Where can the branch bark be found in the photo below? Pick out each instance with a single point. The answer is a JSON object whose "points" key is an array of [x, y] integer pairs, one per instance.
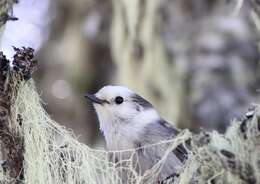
{"points": [[10, 80]]}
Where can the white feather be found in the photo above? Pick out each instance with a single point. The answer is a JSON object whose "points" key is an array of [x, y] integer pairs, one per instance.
{"points": [[125, 125]]}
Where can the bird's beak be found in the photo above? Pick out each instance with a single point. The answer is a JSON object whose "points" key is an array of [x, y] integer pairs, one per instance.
{"points": [[94, 99]]}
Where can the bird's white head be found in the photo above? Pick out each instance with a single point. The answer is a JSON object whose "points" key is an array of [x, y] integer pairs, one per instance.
{"points": [[118, 106]]}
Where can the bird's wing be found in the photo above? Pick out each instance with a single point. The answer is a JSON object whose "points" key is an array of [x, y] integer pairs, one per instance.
{"points": [[162, 130], [157, 132]]}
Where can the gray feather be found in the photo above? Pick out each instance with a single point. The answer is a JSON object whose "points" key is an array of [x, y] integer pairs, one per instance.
{"points": [[141, 101], [154, 133]]}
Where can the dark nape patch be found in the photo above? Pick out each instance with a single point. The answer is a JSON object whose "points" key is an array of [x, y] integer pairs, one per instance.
{"points": [[141, 101]]}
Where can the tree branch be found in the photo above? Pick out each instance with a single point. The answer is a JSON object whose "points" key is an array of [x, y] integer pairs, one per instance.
{"points": [[10, 80]]}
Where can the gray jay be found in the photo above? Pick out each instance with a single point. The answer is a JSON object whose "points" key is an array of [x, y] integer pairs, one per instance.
{"points": [[128, 121]]}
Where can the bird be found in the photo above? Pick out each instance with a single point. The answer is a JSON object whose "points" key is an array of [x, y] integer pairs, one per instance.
{"points": [[128, 121]]}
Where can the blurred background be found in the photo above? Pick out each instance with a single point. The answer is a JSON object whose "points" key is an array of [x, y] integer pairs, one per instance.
{"points": [[196, 61]]}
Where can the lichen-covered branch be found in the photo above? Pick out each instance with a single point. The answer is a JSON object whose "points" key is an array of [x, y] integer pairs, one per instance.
{"points": [[10, 80], [39, 150], [232, 157]]}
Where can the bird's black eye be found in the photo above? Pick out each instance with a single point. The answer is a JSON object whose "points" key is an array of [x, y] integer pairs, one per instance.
{"points": [[119, 100]]}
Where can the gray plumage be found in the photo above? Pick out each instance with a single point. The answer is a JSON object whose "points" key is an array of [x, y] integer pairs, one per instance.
{"points": [[128, 121], [154, 133], [140, 101]]}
